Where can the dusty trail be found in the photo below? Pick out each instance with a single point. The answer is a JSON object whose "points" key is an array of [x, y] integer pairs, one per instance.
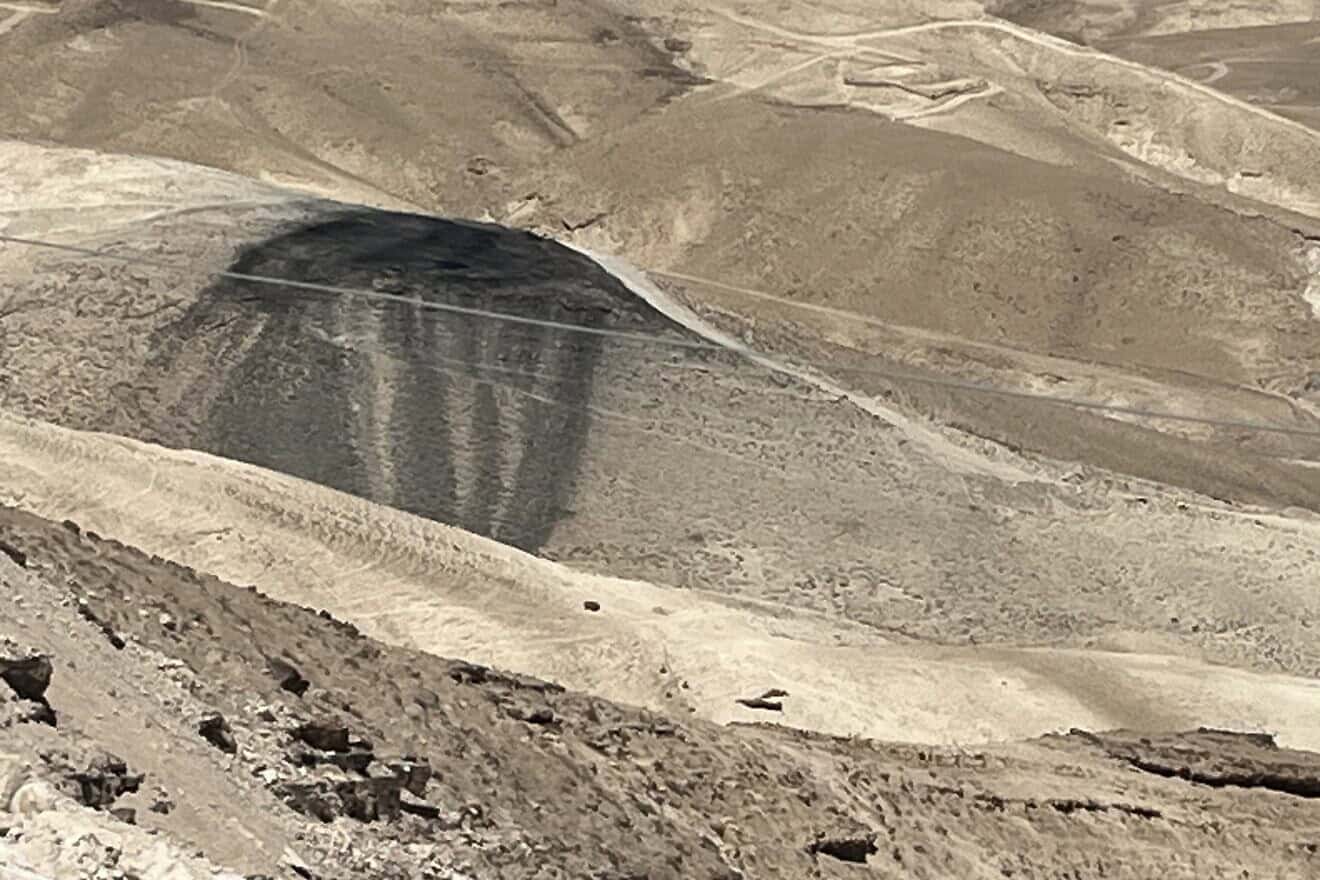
{"points": [[1026, 35], [230, 7], [13, 21]]}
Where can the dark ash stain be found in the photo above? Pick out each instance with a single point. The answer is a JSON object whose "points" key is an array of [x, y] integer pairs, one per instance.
{"points": [[440, 414]]}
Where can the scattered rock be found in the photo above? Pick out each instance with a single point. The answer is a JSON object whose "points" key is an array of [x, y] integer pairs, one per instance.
{"points": [[215, 730], [162, 804], [104, 780], [288, 677], [773, 693], [371, 799], [415, 773], [127, 815], [677, 45], [591, 605]]}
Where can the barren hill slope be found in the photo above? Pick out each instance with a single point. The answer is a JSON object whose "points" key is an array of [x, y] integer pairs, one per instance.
{"points": [[1010, 208], [240, 732]]}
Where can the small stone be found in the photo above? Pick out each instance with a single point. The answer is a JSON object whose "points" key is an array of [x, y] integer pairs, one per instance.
{"points": [[289, 678], [591, 605]]}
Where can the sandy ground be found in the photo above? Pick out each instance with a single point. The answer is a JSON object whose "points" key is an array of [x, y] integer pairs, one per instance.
{"points": [[450, 593]]}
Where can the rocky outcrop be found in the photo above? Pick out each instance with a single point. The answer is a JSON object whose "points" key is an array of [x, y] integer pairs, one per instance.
{"points": [[328, 772], [1217, 758], [288, 676], [27, 675], [104, 779]]}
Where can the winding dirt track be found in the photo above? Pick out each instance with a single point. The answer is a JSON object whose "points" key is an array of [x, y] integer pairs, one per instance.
{"points": [[854, 41]]}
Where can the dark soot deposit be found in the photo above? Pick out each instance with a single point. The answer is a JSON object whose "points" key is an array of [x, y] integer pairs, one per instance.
{"points": [[468, 420]]}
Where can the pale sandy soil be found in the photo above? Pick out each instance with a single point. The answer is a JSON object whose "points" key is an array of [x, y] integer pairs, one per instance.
{"points": [[420, 584]]}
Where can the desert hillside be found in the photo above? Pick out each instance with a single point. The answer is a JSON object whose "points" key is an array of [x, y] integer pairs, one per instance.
{"points": [[160, 720], [834, 422]]}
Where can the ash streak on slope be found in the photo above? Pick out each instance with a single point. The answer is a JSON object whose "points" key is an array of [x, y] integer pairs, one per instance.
{"points": [[347, 393]]}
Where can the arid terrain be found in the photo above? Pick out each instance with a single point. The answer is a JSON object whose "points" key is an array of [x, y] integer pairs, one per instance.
{"points": [[867, 438], [268, 739]]}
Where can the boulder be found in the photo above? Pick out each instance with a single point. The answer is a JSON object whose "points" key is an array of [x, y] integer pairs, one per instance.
{"points": [[415, 773], [28, 675], [326, 736], [215, 730], [287, 676]]}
